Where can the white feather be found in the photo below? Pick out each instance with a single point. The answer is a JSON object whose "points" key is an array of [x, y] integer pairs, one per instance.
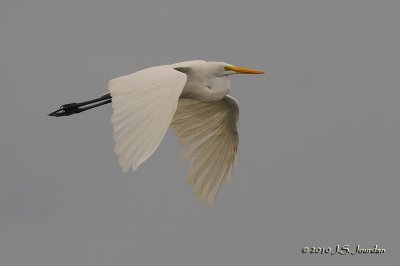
{"points": [[143, 106], [209, 137]]}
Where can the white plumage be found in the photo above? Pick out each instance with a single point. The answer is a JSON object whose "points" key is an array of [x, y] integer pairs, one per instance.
{"points": [[209, 137], [143, 106], [191, 97]]}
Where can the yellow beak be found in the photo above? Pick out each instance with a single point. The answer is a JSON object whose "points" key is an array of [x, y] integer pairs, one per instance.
{"points": [[243, 70]]}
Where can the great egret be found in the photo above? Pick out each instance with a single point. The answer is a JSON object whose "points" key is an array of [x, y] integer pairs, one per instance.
{"points": [[192, 98]]}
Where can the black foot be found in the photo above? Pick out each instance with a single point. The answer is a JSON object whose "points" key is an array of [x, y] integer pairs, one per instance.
{"points": [[67, 109], [74, 108]]}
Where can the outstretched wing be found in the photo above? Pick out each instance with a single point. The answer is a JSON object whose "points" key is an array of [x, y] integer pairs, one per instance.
{"points": [[208, 133], [143, 106]]}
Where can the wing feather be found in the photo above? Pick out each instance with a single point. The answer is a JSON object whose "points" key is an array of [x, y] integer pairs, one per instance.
{"points": [[208, 134], [143, 106]]}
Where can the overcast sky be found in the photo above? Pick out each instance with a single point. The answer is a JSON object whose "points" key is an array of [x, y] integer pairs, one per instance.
{"points": [[319, 153]]}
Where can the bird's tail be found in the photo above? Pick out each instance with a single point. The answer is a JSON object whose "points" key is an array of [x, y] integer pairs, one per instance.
{"points": [[74, 108]]}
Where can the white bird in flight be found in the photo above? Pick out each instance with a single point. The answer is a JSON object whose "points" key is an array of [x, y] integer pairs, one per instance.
{"points": [[192, 98]]}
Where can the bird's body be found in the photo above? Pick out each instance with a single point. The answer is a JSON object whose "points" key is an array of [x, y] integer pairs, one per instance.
{"points": [[192, 98]]}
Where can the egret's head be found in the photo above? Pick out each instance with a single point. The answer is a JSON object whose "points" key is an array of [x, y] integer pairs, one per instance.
{"points": [[225, 69]]}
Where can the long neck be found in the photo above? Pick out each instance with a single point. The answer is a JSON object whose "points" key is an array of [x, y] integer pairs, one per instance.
{"points": [[207, 91]]}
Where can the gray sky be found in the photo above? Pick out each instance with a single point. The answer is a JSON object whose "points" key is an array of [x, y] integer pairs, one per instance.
{"points": [[319, 146]]}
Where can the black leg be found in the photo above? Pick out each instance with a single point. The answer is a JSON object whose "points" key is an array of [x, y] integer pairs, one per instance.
{"points": [[74, 108]]}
